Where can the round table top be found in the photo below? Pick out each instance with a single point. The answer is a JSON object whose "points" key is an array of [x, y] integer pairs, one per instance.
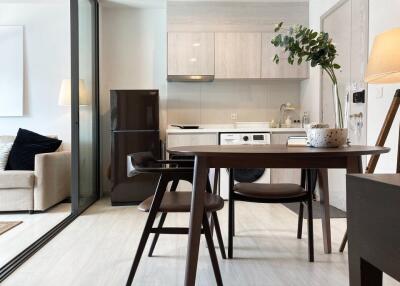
{"points": [[276, 149]]}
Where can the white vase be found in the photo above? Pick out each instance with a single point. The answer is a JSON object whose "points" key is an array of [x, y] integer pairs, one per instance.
{"points": [[327, 137]]}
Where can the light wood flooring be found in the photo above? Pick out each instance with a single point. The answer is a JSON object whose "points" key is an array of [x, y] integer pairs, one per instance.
{"points": [[98, 248], [32, 227]]}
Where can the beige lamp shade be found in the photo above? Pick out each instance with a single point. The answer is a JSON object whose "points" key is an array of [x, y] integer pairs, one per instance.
{"points": [[64, 98], [384, 60]]}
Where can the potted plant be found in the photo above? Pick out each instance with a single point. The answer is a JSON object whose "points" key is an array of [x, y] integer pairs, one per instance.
{"points": [[305, 45]]}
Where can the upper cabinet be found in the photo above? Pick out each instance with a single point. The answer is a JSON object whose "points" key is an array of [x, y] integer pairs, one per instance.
{"points": [[190, 53], [237, 55], [228, 55], [269, 69]]}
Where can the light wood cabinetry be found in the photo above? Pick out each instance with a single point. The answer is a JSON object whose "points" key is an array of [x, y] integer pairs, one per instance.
{"points": [[284, 175], [191, 139], [237, 55], [190, 53], [269, 69]]}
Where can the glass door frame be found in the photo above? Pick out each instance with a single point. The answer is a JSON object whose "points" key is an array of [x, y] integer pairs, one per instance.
{"points": [[77, 208]]}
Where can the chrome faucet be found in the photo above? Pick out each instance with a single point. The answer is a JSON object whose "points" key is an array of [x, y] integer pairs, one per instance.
{"points": [[284, 107]]}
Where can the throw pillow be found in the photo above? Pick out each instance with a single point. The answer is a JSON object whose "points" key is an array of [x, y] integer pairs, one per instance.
{"points": [[26, 146], [5, 149]]}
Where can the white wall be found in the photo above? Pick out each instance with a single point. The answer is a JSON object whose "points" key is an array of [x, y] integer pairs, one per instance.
{"points": [[383, 16], [310, 88], [46, 63], [133, 56]]}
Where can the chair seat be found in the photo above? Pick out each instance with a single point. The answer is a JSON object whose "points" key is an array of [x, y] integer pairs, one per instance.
{"points": [[181, 201], [269, 191]]}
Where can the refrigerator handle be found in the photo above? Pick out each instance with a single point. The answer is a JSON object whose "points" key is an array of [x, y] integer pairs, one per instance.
{"points": [[163, 150]]}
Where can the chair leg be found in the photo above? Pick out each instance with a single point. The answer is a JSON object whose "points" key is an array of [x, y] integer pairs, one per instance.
{"points": [[211, 250], [157, 235], [231, 224], [343, 244], [310, 220], [162, 185], [300, 222], [219, 234], [174, 186]]}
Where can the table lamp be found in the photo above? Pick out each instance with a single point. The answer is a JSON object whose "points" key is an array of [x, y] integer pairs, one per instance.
{"points": [[384, 67], [64, 98]]}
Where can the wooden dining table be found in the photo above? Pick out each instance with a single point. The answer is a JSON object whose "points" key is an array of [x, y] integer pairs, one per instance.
{"points": [[265, 156]]}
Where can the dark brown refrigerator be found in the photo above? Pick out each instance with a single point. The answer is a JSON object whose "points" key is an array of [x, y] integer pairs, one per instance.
{"points": [[134, 128]]}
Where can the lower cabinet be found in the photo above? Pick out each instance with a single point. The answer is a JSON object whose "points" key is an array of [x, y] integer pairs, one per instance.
{"points": [[284, 175], [191, 139]]}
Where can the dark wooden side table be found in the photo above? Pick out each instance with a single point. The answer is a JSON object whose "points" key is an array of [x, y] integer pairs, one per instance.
{"points": [[373, 219], [264, 156]]}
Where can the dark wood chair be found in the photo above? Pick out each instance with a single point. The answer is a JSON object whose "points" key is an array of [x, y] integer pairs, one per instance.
{"points": [[274, 193], [172, 201]]}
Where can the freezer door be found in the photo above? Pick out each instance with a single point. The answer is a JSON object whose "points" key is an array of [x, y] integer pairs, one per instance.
{"points": [[136, 189], [134, 110]]}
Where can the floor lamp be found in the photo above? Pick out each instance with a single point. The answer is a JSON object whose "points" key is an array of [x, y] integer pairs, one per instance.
{"points": [[384, 67]]}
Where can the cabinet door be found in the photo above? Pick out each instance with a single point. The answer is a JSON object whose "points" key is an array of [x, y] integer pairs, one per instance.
{"points": [[237, 55], [191, 139], [291, 176], [190, 53], [269, 69]]}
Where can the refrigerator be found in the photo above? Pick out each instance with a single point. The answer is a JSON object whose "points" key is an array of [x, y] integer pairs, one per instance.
{"points": [[134, 128]]}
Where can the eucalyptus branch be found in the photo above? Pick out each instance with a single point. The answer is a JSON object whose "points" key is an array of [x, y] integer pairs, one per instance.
{"points": [[305, 45]]}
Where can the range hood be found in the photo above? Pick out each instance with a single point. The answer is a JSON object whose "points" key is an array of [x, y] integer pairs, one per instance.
{"points": [[190, 78]]}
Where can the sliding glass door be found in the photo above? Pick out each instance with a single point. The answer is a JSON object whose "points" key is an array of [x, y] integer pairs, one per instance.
{"points": [[85, 163]]}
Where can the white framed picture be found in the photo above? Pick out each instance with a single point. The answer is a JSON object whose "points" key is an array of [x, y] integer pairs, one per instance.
{"points": [[11, 70]]}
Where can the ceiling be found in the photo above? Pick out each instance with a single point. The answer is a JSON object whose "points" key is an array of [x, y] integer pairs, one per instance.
{"points": [[162, 3]]}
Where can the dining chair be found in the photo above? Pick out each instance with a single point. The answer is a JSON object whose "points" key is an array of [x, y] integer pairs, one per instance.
{"points": [[274, 193], [173, 201]]}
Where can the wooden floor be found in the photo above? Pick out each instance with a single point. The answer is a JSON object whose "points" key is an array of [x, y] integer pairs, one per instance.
{"points": [[32, 227], [98, 248]]}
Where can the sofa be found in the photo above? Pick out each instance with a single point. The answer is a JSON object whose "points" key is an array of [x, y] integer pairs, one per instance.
{"points": [[38, 190]]}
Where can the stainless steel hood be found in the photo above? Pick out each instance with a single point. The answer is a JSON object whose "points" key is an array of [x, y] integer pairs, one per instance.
{"points": [[190, 78]]}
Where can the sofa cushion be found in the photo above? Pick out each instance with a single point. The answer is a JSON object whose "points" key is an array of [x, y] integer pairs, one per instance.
{"points": [[17, 179], [27, 144], [5, 149]]}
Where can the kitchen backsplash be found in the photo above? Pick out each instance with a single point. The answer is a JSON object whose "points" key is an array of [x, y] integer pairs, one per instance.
{"points": [[230, 101]]}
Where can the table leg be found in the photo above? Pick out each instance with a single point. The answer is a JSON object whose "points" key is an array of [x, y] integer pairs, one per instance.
{"points": [[354, 166], [325, 210], [196, 217]]}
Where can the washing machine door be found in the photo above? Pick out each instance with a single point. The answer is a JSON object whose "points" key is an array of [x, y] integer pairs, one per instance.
{"points": [[248, 175]]}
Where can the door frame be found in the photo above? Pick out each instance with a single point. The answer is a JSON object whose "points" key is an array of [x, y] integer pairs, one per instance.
{"points": [[75, 191]]}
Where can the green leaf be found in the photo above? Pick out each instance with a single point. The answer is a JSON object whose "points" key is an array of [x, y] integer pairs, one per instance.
{"points": [[278, 27], [336, 66], [299, 61]]}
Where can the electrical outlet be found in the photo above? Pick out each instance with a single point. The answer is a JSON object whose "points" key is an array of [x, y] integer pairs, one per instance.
{"points": [[233, 116]]}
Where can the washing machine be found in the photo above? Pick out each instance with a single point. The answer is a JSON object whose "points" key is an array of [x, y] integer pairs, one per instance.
{"points": [[257, 175]]}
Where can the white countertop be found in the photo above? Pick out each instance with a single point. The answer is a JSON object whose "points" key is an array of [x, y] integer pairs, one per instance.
{"points": [[211, 128]]}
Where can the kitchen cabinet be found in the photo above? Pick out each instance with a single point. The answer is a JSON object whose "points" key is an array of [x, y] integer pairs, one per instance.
{"points": [[284, 175], [269, 69], [237, 55], [191, 139], [190, 53]]}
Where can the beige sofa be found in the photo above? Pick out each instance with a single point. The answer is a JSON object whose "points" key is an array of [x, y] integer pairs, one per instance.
{"points": [[38, 190]]}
